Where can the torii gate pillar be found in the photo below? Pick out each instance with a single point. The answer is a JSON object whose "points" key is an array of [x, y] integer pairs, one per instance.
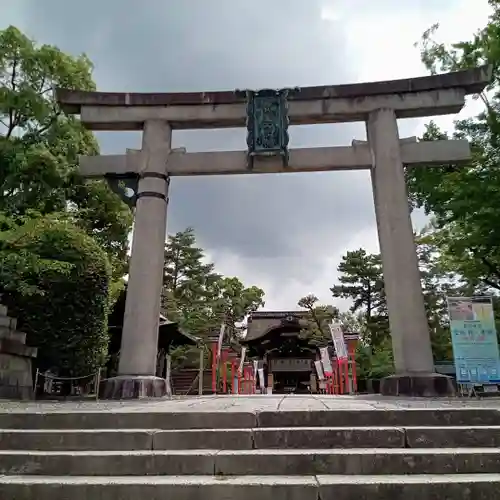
{"points": [[137, 366], [411, 343]]}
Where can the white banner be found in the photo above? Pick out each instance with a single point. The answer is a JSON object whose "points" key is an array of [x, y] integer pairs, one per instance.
{"points": [[261, 380], [325, 361], [221, 337], [255, 375], [242, 361], [319, 370], [338, 341]]}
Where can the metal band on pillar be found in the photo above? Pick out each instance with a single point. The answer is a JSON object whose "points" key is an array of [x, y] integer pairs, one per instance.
{"points": [[153, 194], [155, 175]]}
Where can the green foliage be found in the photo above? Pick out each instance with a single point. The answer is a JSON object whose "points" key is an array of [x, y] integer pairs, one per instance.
{"points": [[361, 281], [318, 318], [55, 278], [465, 200], [58, 234], [200, 299], [40, 146], [374, 363]]}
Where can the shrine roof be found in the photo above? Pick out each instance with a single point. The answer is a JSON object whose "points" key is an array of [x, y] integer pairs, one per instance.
{"points": [[282, 316], [471, 81], [275, 314]]}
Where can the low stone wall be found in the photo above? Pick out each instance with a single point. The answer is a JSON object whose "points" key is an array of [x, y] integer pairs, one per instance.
{"points": [[16, 376]]}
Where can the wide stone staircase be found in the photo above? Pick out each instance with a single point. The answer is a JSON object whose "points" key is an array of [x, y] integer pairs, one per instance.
{"points": [[269, 455]]}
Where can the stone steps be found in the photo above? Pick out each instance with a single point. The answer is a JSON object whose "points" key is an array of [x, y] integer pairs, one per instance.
{"points": [[244, 420], [248, 439], [322, 487], [372, 461], [395, 454]]}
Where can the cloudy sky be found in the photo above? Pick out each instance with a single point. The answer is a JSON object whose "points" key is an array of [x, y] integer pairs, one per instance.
{"points": [[284, 233]]}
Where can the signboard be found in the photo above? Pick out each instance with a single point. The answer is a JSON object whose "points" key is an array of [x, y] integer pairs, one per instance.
{"points": [[290, 365], [338, 341], [474, 340]]}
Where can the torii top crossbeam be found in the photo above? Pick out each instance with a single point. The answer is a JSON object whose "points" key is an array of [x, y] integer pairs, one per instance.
{"points": [[411, 97]]}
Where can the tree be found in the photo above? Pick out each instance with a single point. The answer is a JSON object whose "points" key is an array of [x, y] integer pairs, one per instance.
{"points": [[40, 146], [465, 200], [437, 284], [361, 281], [55, 279], [232, 302], [59, 235], [199, 298], [188, 282], [318, 319]]}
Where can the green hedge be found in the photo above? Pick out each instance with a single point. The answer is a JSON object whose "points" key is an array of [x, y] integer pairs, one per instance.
{"points": [[55, 279]]}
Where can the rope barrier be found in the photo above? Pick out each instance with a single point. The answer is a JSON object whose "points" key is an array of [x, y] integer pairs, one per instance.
{"points": [[96, 376], [55, 377], [192, 384]]}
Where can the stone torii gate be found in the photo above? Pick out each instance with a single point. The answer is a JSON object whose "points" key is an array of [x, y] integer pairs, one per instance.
{"points": [[266, 114]]}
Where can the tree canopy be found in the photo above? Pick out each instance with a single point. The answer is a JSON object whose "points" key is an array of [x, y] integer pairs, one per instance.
{"points": [[463, 200], [63, 241], [55, 279], [199, 298], [40, 145]]}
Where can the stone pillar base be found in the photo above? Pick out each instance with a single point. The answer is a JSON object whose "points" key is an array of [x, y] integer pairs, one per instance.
{"points": [[133, 387], [423, 385]]}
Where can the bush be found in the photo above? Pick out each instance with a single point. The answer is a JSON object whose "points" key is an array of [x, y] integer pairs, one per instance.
{"points": [[55, 279]]}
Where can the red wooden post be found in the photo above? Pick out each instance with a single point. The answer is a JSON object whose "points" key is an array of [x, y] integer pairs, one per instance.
{"points": [[352, 342], [337, 370], [353, 373], [248, 380], [352, 362], [214, 367], [224, 371], [244, 386], [233, 388]]}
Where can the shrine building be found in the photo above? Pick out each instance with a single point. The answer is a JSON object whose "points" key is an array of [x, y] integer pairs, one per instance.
{"points": [[273, 337]]}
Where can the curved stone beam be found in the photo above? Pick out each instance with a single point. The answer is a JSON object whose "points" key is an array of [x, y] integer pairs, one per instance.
{"points": [[412, 97]]}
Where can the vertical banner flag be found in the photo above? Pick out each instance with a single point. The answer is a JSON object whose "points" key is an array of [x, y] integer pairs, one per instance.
{"points": [[338, 341], [221, 337], [242, 361], [325, 361], [474, 340], [319, 370], [262, 384]]}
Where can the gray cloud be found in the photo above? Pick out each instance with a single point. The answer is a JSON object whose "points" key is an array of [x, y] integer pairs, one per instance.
{"points": [[189, 45]]}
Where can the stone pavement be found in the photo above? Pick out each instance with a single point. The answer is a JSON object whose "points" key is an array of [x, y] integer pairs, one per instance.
{"points": [[254, 403]]}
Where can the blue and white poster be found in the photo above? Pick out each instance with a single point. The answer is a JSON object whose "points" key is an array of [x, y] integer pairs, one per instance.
{"points": [[474, 340]]}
